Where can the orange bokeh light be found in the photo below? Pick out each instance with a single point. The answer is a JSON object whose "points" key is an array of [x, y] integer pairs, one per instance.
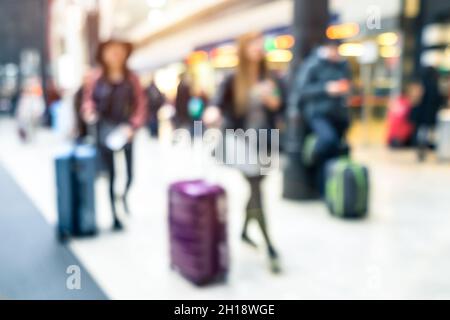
{"points": [[342, 31], [284, 42], [197, 57]]}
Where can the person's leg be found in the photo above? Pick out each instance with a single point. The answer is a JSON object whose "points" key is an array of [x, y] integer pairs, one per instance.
{"points": [[255, 211], [108, 162], [253, 202], [422, 142], [328, 139], [153, 127], [129, 166], [341, 126], [328, 143]]}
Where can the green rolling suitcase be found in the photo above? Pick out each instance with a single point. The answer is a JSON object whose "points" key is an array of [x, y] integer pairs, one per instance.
{"points": [[347, 188]]}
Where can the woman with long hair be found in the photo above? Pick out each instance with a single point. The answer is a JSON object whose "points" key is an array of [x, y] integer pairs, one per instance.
{"points": [[250, 99], [114, 100]]}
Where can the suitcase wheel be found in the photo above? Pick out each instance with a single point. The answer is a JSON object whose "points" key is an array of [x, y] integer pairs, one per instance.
{"points": [[62, 236]]}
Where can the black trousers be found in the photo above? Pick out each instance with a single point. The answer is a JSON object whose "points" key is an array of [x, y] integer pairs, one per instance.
{"points": [[329, 134], [255, 209], [107, 158], [423, 139]]}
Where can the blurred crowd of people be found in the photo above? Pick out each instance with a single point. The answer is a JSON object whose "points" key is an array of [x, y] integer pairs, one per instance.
{"points": [[112, 102]]}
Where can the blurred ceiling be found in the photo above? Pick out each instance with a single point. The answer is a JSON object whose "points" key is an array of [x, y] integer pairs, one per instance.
{"points": [[135, 19], [128, 13]]}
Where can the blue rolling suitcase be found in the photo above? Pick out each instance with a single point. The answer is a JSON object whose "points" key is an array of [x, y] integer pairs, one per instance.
{"points": [[75, 177]]}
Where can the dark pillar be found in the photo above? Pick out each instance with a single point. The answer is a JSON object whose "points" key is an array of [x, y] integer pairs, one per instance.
{"points": [[411, 25], [44, 49], [22, 27], [311, 18], [92, 34]]}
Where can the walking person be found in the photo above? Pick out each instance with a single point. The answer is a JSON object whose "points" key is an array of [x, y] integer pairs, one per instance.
{"points": [[425, 115], [114, 99], [182, 119], [156, 100], [30, 109], [250, 99]]}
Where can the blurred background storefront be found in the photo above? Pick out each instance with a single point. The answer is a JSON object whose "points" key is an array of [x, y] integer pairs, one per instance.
{"points": [[24, 50], [372, 41], [199, 39], [385, 41], [435, 39]]}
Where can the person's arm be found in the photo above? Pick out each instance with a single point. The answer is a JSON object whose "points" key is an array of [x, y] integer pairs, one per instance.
{"points": [[307, 86], [343, 86], [270, 92], [139, 116], [224, 95], [282, 87], [88, 107], [304, 86], [220, 104], [348, 77], [348, 72]]}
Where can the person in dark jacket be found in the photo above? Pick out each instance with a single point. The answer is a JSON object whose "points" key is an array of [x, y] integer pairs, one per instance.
{"points": [[114, 98], [320, 90], [425, 114], [81, 127], [182, 119], [156, 100], [52, 95], [249, 99]]}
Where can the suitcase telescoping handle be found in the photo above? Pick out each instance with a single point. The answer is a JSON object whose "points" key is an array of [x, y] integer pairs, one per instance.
{"points": [[92, 130]]}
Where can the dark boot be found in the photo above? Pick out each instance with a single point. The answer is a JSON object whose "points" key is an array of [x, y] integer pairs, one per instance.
{"points": [[117, 226], [274, 261]]}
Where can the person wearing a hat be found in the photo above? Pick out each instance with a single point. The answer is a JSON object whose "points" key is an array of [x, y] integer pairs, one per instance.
{"points": [[113, 98]]}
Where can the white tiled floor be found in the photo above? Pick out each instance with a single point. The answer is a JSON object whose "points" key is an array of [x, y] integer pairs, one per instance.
{"points": [[401, 251]]}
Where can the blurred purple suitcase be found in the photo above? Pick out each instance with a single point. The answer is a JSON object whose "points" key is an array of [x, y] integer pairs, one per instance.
{"points": [[197, 227]]}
